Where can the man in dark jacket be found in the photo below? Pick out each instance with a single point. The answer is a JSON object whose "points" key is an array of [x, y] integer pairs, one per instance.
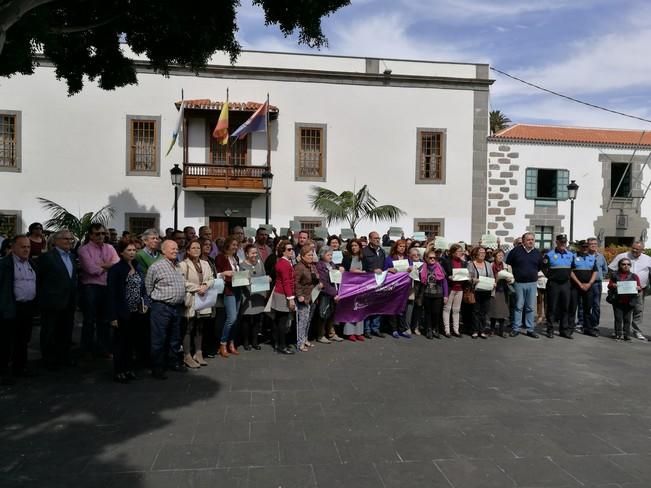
{"points": [[17, 300], [57, 292], [373, 257]]}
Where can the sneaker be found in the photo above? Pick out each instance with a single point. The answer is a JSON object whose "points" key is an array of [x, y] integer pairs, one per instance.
{"points": [[639, 336], [360, 338], [405, 334], [395, 335], [324, 340], [417, 331], [352, 338], [336, 338]]}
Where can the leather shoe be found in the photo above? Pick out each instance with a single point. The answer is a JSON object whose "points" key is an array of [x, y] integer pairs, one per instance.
{"points": [[368, 335], [591, 333], [566, 336], [550, 333], [514, 333], [287, 351], [533, 335], [256, 347], [378, 334]]}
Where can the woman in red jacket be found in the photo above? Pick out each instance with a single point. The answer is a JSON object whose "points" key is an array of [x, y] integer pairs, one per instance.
{"points": [[228, 261], [282, 298]]}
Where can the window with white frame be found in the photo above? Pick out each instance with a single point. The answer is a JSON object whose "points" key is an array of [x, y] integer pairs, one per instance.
{"points": [[546, 184]]}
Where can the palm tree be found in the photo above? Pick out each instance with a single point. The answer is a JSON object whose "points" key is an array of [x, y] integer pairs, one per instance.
{"points": [[61, 219], [351, 207], [498, 121]]}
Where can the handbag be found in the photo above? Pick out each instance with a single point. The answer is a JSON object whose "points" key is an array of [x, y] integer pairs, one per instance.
{"points": [[469, 295], [325, 306], [189, 296]]}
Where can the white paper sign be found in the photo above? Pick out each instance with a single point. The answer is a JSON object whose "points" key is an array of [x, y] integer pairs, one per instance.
{"points": [[489, 240], [485, 283], [505, 275], [337, 257], [401, 264], [627, 288], [347, 234], [260, 284], [419, 236], [315, 293], [441, 242], [395, 232], [240, 278], [208, 300], [421, 252], [379, 278], [249, 232], [460, 274], [335, 276], [415, 273]]}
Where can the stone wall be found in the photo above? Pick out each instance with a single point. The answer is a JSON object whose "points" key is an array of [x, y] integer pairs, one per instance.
{"points": [[503, 177]]}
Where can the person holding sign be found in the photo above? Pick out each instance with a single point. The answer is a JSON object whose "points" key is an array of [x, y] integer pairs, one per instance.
{"points": [[453, 305], [327, 299], [253, 303], [499, 310], [198, 278], [283, 298], [481, 276], [397, 260], [353, 263], [623, 290], [305, 279], [228, 261], [434, 293]]}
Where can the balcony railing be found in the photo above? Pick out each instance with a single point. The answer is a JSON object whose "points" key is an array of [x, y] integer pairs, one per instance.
{"points": [[212, 176]]}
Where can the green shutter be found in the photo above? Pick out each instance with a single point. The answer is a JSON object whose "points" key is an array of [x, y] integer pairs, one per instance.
{"points": [[531, 184], [562, 180]]}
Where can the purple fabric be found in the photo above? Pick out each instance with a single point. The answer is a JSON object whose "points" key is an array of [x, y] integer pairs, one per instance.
{"points": [[439, 273], [360, 296]]}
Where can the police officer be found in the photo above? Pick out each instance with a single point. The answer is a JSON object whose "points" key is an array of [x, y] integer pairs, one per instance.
{"points": [[584, 274], [557, 266]]}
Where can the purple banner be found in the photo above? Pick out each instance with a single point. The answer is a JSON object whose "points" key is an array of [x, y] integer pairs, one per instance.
{"points": [[360, 296]]}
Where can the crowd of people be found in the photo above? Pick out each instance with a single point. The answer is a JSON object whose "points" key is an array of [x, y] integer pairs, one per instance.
{"points": [[169, 303]]}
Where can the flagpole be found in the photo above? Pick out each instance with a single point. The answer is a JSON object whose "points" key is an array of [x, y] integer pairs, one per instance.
{"points": [[228, 146], [268, 137]]}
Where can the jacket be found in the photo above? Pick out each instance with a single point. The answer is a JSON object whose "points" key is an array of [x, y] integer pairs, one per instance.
{"points": [[372, 260], [7, 298], [305, 277], [56, 289], [193, 282], [117, 307], [323, 270], [223, 264], [284, 278]]}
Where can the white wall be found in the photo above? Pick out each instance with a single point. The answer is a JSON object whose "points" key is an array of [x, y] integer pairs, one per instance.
{"points": [[73, 148]]}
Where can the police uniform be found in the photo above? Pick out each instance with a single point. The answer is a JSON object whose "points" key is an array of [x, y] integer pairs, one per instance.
{"points": [[585, 265], [557, 266]]}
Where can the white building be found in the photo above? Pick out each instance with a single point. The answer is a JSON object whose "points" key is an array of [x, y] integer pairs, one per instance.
{"points": [[530, 167], [413, 131]]}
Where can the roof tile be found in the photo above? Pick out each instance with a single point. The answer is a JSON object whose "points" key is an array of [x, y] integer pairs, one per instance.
{"points": [[573, 135]]}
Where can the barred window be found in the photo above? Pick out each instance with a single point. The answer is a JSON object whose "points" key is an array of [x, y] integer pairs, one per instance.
{"points": [[430, 156], [219, 153], [9, 224], [7, 140], [138, 223], [143, 151], [310, 225], [431, 229], [310, 152]]}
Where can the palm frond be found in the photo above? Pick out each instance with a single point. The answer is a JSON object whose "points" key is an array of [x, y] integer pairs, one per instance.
{"points": [[385, 212], [61, 218]]}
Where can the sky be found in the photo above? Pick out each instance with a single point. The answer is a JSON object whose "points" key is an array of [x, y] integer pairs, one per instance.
{"points": [[593, 50]]}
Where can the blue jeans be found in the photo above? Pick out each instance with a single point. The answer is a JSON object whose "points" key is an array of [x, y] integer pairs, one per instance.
{"points": [[231, 307], [372, 323], [165, 323], [525, 299], [95, 331], [596, 305]]}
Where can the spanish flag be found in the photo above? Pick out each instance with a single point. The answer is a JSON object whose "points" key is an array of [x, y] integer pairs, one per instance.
{"points": [[221, 130]]}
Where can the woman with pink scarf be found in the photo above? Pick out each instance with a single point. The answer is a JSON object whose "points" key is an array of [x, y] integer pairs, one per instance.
{"points": [[435, 294]]}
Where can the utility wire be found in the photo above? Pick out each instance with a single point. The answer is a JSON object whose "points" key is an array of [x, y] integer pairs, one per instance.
{"points": [[598, 107]]}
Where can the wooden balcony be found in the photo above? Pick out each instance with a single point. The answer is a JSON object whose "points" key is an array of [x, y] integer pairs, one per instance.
{"points": [[222, 177]]}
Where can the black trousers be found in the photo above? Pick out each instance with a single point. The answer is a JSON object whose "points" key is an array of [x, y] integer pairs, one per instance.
{"points": [[584, 298], [56, 335], [15, 338], [250, 326], [557, 306], [480, 311], [281, 327], [433, 307], [125, 339]]}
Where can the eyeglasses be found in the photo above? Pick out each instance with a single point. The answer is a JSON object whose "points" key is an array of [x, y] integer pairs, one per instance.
{"points": [[289, 249], [625, 264], [431, 257]]}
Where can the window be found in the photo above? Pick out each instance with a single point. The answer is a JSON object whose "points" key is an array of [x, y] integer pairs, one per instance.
{"points": [[143, 150], [310, 157], [10, 224], [9, 141], [430, 156], [543, 234], [138, 223], [310, 223], [432, 228], [235, 153], [620, 180], [546, 184]]}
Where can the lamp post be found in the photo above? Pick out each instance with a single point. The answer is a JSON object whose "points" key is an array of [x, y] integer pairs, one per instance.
{"points": [[177, 175], [572, 190], [267, 181]]}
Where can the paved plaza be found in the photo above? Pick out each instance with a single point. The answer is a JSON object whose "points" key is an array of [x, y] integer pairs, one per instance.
{"points": [[387, 413]]}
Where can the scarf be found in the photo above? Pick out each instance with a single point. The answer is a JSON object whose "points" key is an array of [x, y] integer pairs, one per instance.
{"points": [[436, 268], [497, 268]]}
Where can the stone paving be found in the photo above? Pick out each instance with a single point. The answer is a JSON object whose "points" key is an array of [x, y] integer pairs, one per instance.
{"points": [[386, 413]]}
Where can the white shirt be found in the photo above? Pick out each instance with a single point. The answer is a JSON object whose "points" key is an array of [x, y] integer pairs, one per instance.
{"points": [[640, 266]]}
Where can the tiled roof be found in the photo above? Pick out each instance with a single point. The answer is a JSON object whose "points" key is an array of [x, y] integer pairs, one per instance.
{"points": [[207, 104], [548, 134]]}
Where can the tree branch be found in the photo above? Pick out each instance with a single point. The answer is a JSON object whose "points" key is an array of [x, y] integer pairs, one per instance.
{"points": [[12, 12], [83, 28]]}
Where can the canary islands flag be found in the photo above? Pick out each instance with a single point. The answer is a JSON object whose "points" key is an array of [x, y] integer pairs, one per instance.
{"points": [[178, 130]]}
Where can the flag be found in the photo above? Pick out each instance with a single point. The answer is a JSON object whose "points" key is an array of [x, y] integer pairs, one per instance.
{"points": [[256, 123], [178, 130], [221, 129]]}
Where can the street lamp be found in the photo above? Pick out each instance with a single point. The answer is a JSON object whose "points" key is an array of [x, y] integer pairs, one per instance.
{"points": [[572, 190], [267, 181], [177, 174]]}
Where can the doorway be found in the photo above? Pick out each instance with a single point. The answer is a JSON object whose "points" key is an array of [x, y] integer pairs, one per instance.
{"points": [[223, 226]]}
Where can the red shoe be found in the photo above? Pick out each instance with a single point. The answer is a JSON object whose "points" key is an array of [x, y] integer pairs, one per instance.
{"points": [[360, 338], [351, 338]]}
